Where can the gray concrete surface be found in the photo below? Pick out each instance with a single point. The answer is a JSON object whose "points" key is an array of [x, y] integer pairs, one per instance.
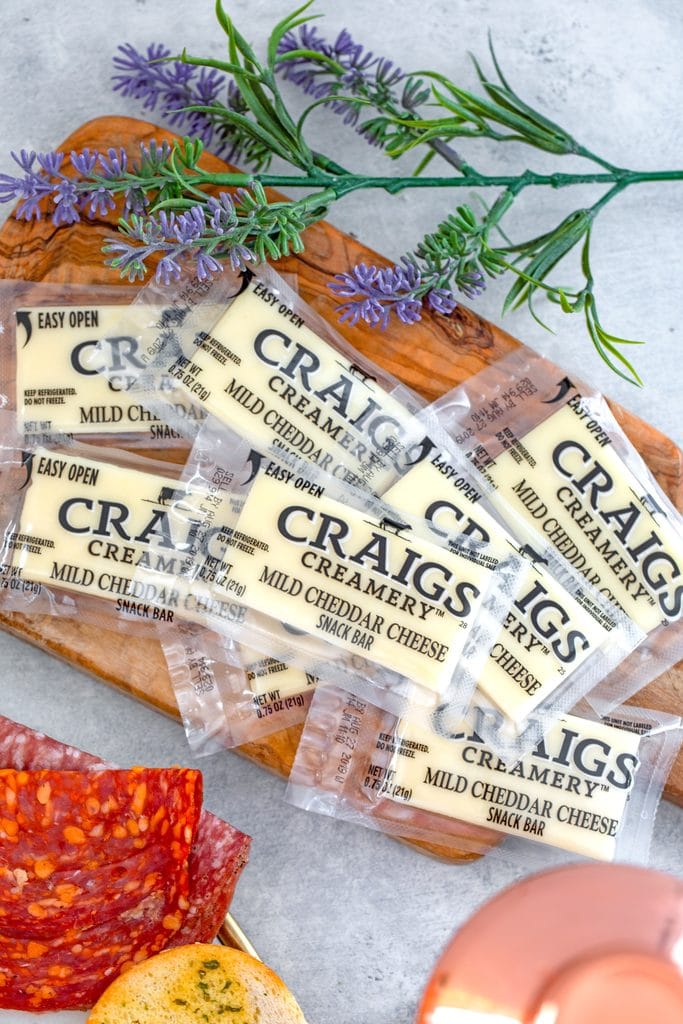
{"points": [[351, 920]]}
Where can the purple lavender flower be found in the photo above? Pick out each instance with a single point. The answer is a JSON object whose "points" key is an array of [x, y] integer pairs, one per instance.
{"points": [[472, 283], [190, 225], [51, 163], [181, 239], [441, 300], [390, 280], [387, 74], [411, 272], [29, 208], [170, 86], [300, 70], [12, 188], [308, 39], [135, 201], [361, 278], [65, 199], [361, 74], [140, 77], [35, 185], [206, 266], [240, 256], [98, 202], [163, 226], [25, 160], [168, 269], [222, 212], [31, 188], [368, 310], [408, 310], [377, 292], [153, 154], [153, 79], [114, 164], [84, 162]]}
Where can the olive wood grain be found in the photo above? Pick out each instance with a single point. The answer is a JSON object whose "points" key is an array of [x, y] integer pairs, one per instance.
{"points": [[431, 357]]}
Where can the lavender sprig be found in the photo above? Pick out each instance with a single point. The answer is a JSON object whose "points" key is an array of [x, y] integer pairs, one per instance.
{"points": [[90, 189], [190, 98], [187, 237], [159, 219], [350, 79], [346, 77], [375, 293], [456, 256], [170, 216], [44, 180]]}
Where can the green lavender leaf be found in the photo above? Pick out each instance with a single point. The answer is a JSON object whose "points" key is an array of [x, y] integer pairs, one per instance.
{"points": [[288, 24], [207, 62], [251, 130], [271, 115], [189, 151], [606, 346], [556, 245], [556, 139]]}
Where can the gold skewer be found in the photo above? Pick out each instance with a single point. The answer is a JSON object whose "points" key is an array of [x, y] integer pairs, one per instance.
{"points": [[231, 934]]}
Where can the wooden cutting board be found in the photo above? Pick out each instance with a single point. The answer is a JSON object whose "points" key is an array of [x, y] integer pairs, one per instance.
{"points": [[431, 357]]}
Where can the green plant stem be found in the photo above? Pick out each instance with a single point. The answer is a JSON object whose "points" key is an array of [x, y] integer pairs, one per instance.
{"points": [[340, 185], [588, 155], [609, 195], [475, 180]]}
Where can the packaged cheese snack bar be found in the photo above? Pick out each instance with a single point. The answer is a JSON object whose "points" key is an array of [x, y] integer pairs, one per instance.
{"points": [[242, 550], [336, 566], [255, 356], [555, 642], [590, 788], [272, 370], [73, 356], [554, 461], [560, 638]]}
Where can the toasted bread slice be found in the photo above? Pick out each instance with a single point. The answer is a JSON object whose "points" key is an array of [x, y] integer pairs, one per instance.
{"points": [[197, 984]]}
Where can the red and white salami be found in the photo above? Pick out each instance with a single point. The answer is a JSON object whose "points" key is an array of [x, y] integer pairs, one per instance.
{"points": [[76, 850], [102, 920], [21, 747], [216, 860]]}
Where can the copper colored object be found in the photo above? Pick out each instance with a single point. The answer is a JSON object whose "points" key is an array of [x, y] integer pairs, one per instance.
{"points": [[586, 944]]}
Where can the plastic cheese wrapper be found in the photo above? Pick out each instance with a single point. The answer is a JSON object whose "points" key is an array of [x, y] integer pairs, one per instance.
{"points": [[590, 788], [321, 566], [72, 356], [76, 521], [549, 449], [110, 526], [560, 637], [255, 356], [548, 649], [228, 694], [279, 374]]}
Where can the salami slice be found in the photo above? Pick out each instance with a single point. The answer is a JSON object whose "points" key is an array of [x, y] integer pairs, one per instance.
{"points": [[57, 920], [21, 747], [217, 856], [78, 848]]}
